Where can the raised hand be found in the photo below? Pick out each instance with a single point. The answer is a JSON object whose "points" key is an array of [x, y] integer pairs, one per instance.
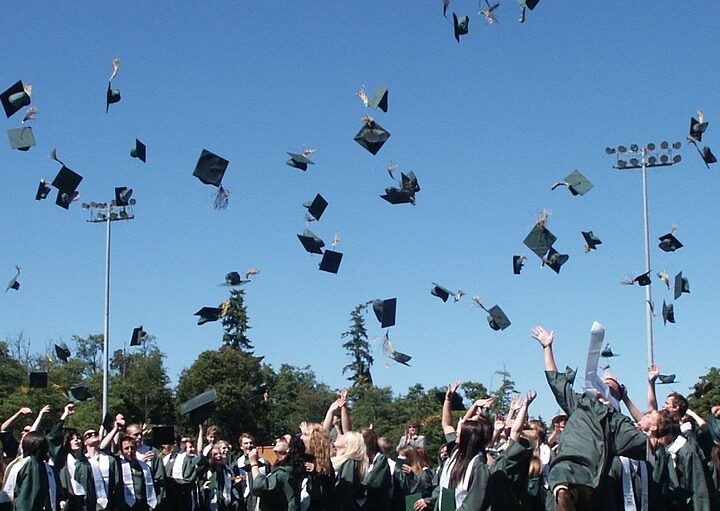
{"points": [[544, 337], [653, 373]]}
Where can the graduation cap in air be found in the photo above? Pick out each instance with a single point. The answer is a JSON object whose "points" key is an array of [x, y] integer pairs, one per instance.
{"points": [[576, 183], [682, 285], [371, 136], [391, 352], [79, 393], [122, 196], [261, 391], [201, 407], [138, 336], [43, 190], [139, 152], [15, 98], [233, 278], [38, 380], [540, 240], [311, 242], [378, 100], [640, 280], [570, 374], [591, 241], [66, 182], [518, 262], [385, 311], [607, 352], [299, 161], [702, 387], [113, 95], [210, 170], [162, 435], [708, 156], [440, 291], [669, 243], [668, 313], [555, 260], [108, 422], [316, 208], [697, 128], [14, 284], [666, 379], [330, 261], [496, 318], [21, 139], [713, 424], [62, 351], [208, 314], [460, 26], [456, 401], [398, 196]]}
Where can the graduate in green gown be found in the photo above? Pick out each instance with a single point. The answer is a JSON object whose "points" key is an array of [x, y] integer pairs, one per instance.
{"points": [[319, 472], [377, 481], [351, 466], [36, 487], [280, 489], [216, 481], [181, 469], [138, 490]]}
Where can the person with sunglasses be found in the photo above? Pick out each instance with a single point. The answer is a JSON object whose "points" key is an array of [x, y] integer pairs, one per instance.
{"points": [[104, 468]]}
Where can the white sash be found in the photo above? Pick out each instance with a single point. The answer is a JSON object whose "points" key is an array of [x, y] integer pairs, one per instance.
{"points": [[628, 494], [129, 486], [101, 475], [226, 488], [593, 382], [445, 475], [461, 490], [177, 468], [8, 489], [52, 487], [678, 444], [76, 488]]}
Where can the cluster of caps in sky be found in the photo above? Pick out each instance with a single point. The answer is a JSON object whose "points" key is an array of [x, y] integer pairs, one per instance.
{"points": [[461, 24], [232, 279]]}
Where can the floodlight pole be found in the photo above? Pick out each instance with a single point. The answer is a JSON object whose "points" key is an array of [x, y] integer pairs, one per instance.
{"points": [[650, 157]]}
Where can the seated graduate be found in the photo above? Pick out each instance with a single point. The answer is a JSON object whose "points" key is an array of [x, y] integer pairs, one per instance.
{"points": [[36, 485], [138, 489], [594, 433], [279, 490], [320, 475], [351, 465]]}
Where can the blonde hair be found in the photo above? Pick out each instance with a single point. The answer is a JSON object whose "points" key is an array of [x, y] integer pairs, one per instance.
{"points": [[354, 450], [319, 446]]}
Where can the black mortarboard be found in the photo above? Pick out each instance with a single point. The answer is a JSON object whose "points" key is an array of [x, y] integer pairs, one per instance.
{"points": [[697, 129], [201, 407], [591, 241], [21, 139], [385, 311], [62, 351], [208, 314], [379, 99], [140, 151], [79, 393], [440, 292], [163, 435], [669, 243], [576, 183], [666, 378], [64, 199], [317, 207], [112, 96], [409, 182], [122, 195], [14, 98], [397, 196], [497, 319], [43, 190], [38, 380], [682, 285], [540, 240], [299, 161], [311, 242], [570, 374], [210, 168], [555, 260], [531, 4], [331, 261], [707, 156], [400, 358], [668, 313], [518, 261], [460, 26], [642, 280], [233, 278], [14, 284], [138, 336], [108, 422], [371, 136], [607, 352], [66, 180], [703, 387], [456, 402]]}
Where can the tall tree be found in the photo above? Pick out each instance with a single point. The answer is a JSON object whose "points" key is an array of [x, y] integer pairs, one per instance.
{"points": [[358, 348], [90, 350], [235, 322], [503, 394]]}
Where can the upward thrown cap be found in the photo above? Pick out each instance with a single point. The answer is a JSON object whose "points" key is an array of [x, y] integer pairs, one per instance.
{"points": [[210, 168], [385, 311], [371, 136], [14, 98], [201, 407]]}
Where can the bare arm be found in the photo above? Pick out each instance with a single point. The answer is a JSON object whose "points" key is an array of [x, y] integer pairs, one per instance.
{"points": [[447, 421], [107, 441], [546, 339], [699, 420], [41, 415], [8, 424], [328, 422], [522, 416], [199, 445], [653, 373], [345, 412]]}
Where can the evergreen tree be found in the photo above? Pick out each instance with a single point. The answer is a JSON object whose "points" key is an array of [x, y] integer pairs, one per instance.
{"points": [[503, 394], [235, 322], [358, 348]]}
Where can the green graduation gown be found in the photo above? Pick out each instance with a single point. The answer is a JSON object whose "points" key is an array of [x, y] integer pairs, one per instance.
{"points": [[278, 491]]}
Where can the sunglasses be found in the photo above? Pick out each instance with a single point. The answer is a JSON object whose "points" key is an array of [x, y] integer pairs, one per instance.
{"points": [[90, 435]]}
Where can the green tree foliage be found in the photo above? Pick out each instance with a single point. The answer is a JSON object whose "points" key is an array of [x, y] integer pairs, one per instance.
{"points": [[474, 390], [372, 405], [702, 405], [503, 394], [358, 348], [235, 322], [90, 350], [235, 375]]}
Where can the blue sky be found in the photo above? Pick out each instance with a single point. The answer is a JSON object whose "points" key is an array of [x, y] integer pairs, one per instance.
{"points": [[487, 125]]}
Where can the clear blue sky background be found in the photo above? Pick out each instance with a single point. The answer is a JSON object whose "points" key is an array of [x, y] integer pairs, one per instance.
{"points": [[487, 125]]}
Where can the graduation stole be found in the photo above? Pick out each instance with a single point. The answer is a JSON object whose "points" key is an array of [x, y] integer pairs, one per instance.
{"points": [[100, 465], [445, 475], [52, 487], [461, 490], [628, 494], [177, 471], [129, 486], [8, 488], [75, 486], [227, 486], [678, 444], [593, 382]]}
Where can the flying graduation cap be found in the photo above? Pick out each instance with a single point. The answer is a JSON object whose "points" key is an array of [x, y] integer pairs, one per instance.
{"points": [[66, 182], [43, 190], [392, 353], [668, 313], [201, 407], [233, 279], [79, 393], [607, 352], [406, 193], [15, 98], [385, 311], [702, 387], [300, 161], [139, 151], [460, 26], [666, 379], [38, 380], [113, 95], [456, 401], [330, 261], [22, 138], [682, 285], [441, 292], [14, 284], [371, 136], [518, 262], [668, 242], [210, 170], [591, 241], [697, 128], [496, 318], [316, 207], [310, 242], [62, 352], [708, 156], [640, 280], [378, 100], [555, 260], [122, 196], [208, 314], [576, 183], [138, 336], [540, 240], [529, 4], [488, 13]]}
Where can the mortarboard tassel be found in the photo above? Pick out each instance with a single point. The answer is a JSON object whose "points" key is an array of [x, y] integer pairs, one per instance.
{"points": [[222, 198]]}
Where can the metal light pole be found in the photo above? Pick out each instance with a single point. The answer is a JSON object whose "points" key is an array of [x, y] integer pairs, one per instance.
{"points": [[116, 210], [644, 158]]}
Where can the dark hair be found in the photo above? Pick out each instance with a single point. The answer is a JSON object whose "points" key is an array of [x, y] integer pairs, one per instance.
{"points": [[295, 457], [126, 438], [413, 423], [539, 427], [680, 401], [68, 436], [371, 443], [423, 457], [36, 445], [667, 424], [474, 436]]}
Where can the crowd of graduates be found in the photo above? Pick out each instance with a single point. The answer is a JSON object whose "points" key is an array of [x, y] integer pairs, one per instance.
{"points": [[593, 458]]}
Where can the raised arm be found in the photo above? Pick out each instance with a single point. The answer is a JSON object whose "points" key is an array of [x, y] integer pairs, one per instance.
{"points": [[698, 420], [546, 339], [653, 373], [477, 407], [634, 411], [8, 424], [345, 412], [40, 416], [521, 418], [200, 440], [447, 420], [328, 422], [110, 436]]}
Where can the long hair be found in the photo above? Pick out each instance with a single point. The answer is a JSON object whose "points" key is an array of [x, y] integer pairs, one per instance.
{"points": [[68, 436], [371, 442], [294, 458], [320, 447], [354, 450], [411, 458], [423, 457], [36, 445], [474, 436]]}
